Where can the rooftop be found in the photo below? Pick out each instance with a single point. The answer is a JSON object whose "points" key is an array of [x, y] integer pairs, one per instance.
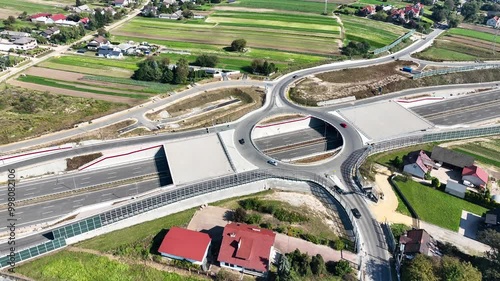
{"points": [[246, 246], [451, 157], [475, 171], [416, 241], [185, 243]]}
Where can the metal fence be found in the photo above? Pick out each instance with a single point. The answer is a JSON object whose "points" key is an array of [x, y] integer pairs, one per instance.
{"points": [[33, 251], [176, 195], [393, 44], [454, 70]]}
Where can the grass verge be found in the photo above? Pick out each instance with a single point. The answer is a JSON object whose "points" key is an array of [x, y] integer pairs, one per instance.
{"points": [[435, 206]]}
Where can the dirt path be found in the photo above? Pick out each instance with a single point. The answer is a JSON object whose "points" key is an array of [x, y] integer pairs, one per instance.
{"points": [[158, 266], [342, 30], [386, 209]]}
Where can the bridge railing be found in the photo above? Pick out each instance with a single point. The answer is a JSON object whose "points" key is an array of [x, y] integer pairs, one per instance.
{"points": [[395, 43], [141, 206], [454, 70]]}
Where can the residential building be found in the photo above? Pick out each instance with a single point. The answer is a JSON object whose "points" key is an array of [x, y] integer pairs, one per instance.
{"points": [[109, 52], [413, 11], [120, 3], [82, 9], [23, 43], [66, 22], [57, 17], [418, 164], [185, 244], [475, 175], [84, 21], [492, 219], [47, 33], [368, 10], [450, 157], [415, 241], [456, 189], [246, 248], [399, 15], [108, 9], [174, 16], [97, 43], [39, 15], [127, 48], [494, 22], [13, 34]]}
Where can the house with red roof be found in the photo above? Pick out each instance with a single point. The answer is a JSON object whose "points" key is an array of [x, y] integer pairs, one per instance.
{"points": [[185, 244], [39, 15], [413, 11], [57, 17], [246, 248], [368, 10], [475, 175], [418, 163], [399, 15], [493, 22]]}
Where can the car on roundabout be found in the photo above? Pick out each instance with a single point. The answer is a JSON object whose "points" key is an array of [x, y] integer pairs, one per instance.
{"points": [[272, 162]]}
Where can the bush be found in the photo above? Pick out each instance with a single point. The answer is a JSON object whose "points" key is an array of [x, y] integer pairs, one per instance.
{"points": [[342, 268], [205, 60], [238, 45], [253, 219], [239, 215], [250, 204], [435, 182]]}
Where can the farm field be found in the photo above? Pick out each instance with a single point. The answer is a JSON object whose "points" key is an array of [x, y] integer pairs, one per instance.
{"points": [[463, 44], [435, 206], [378, 34], [32, 6], [81, 266], [486, 152], [29, 113], [222, 28], [280, 38], [307, 6], [92, 77]]}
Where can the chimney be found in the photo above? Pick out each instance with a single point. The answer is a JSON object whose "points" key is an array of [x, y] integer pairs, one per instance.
{"points": [[232, 234]]}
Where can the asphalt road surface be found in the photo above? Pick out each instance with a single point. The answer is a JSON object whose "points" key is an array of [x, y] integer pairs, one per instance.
{"points": [[469, 109], [51, 210], [302, 151], [35, 188]]}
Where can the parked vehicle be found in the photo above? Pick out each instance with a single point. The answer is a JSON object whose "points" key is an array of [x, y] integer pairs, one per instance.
{"points": [[343, 125], [407, 69], [272, 162], [242, 141]]}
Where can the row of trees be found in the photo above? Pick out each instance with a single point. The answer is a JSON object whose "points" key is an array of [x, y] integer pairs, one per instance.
{"points": [[263, 67], [297, 265], [425, 268], [356, 48], [158, 71]]}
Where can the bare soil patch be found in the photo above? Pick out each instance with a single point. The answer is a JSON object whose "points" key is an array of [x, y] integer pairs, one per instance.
{"points": [[5, 13], [60, 91], [78, 161], [314, 159], [54, 74], [478, 28], [365, 82]]}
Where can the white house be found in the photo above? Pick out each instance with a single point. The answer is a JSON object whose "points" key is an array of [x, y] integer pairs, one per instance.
{"points": [[174, 16], [97, 43], [23, 43], [494, 22], [418, 164]]}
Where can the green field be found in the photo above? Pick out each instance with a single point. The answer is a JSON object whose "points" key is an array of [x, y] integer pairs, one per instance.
{"points": [[76, 86], [77, 266], [378, 34], [305, 6], [314, 37], [31, 7], [131, 236], [486, 152], [460, 44], [435, 206]]}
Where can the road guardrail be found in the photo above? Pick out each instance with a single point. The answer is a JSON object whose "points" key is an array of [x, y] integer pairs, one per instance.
{"points": [[394, 44], [454, 70]]}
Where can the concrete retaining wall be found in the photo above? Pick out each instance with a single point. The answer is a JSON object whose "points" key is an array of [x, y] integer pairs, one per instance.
{"points": [[122, 158], [261, 131]]}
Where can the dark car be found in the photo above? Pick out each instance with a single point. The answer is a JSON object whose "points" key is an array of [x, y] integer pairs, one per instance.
{"points": [[242, 141], [272, 162], [343, 125], [356, 213], [295, 76]]}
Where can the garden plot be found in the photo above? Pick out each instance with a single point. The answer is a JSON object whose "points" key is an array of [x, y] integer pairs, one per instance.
{"points": [[378, 34]]}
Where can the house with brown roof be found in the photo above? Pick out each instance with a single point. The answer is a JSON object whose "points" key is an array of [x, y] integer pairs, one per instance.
{"points": [[97, 43], [415, 241], [246, 248], [450, 157], [185, 244], [417, 164]]}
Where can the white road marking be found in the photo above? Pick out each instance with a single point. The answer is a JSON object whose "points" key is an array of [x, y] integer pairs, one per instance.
{"points": [[79, 200], [113, 177], [45, 207], [59, 187], [29, 189], [32, 193], [47, 212], [86, 178], [84, 182]]}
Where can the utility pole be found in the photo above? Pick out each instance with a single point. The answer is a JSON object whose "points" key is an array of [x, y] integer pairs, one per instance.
{"points": [[326, 10]]}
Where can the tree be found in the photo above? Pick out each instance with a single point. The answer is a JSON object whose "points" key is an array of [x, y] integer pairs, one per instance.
{"points": [[469, 10], [492, 238], [435, 182], [187, 13], [454, 20], [11, 20], [181, 71], [452, 269], [80, 2], [103, 32], [256, 64], [342, 268], [239, 215], [439, 13], [23, 15], [283, 269], [449, 4], [420, 268], [338, 245], [318, 266], [168, 76], [238, 45], [205, 60]]}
